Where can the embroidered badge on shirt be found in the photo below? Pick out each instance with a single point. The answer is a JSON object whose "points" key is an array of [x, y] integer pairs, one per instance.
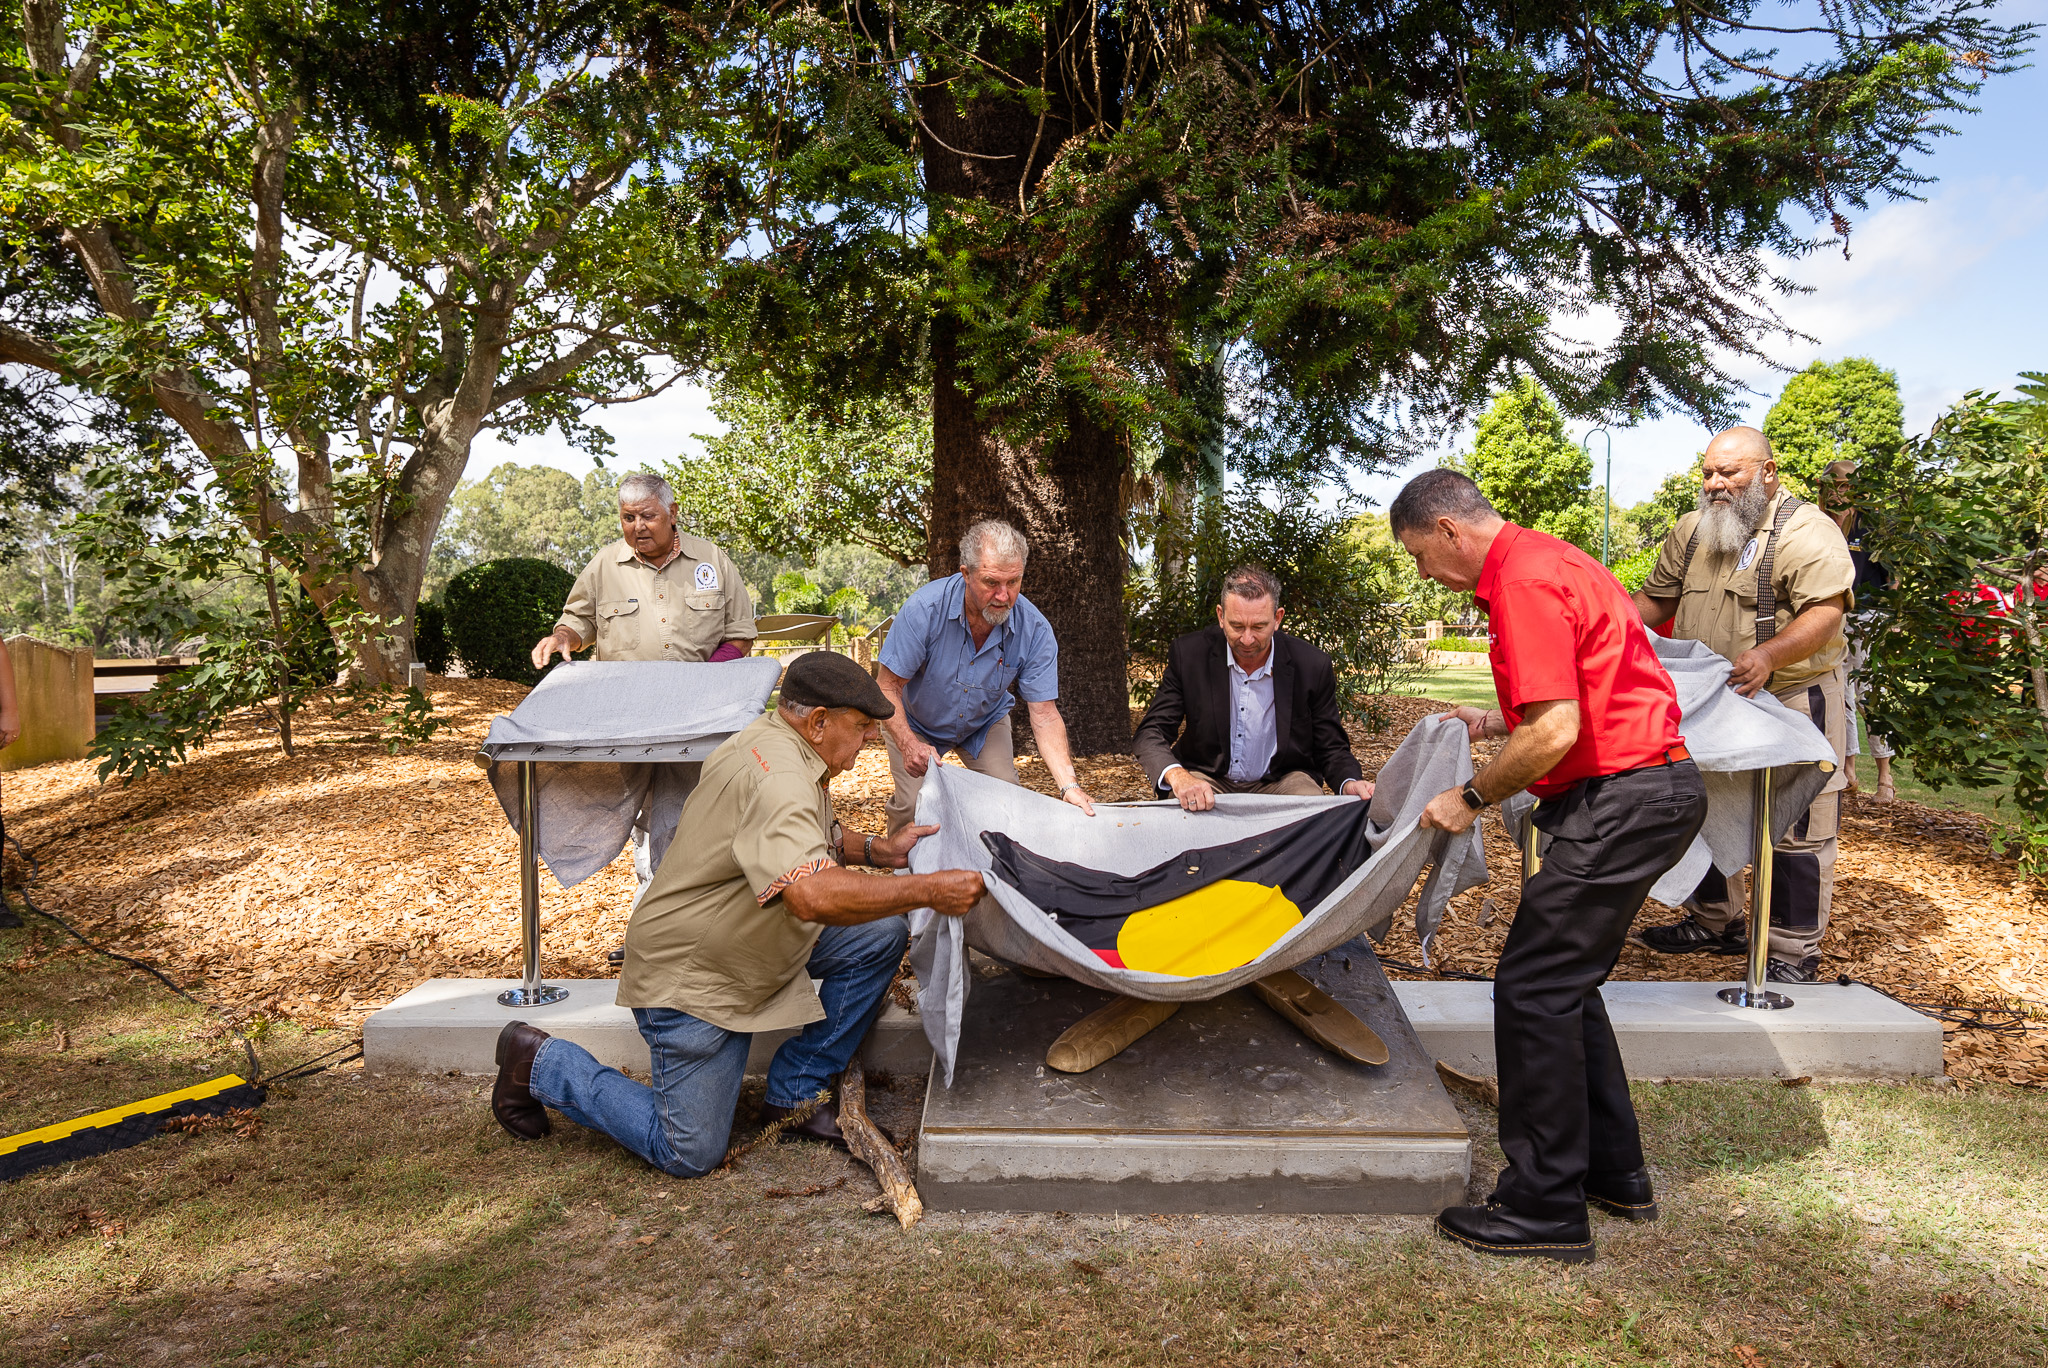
{"points": [[707, 575], [1748, 555]]}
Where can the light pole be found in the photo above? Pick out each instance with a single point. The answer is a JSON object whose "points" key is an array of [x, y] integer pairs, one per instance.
{"points": [[1607, 512]]}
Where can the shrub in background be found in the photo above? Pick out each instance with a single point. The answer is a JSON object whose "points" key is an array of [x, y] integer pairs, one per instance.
{"points": [[430, 636], [494, 612]]}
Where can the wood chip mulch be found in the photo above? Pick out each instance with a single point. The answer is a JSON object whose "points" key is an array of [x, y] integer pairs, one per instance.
{"points": [[319, 887]]}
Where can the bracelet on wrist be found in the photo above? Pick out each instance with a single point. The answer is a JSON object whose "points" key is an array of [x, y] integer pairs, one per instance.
{"points": [[867, 852], [1066, 789]]}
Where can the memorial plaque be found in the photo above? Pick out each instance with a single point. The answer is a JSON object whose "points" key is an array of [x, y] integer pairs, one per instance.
{"points": [[1227, 1107]]}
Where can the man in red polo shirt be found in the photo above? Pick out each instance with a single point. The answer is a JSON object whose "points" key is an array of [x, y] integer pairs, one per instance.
{"points": [[1591, 719]]}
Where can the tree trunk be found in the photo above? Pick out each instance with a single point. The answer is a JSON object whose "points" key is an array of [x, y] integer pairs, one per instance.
{"points": [[1066, 494]]}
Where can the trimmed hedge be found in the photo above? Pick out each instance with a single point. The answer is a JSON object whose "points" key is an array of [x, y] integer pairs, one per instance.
{"points": [[1475, 645], [497, 610], [430, 637]]}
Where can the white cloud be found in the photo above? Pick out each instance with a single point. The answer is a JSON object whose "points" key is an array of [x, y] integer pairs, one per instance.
{"points": [[650, 431]]}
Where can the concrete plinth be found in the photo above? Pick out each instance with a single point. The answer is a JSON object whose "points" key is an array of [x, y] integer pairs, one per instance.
{"points": [[1682, 1030], [453, 1024], [1224, 1108]]}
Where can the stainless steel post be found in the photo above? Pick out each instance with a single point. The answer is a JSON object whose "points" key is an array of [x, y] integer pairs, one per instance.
{"points": [[531, 992], [1752, 993]]}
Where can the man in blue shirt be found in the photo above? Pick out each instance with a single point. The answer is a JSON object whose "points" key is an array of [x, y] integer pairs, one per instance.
{"points": [[948, 663]]}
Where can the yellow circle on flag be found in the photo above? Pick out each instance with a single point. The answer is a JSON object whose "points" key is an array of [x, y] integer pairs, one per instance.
{"points": [[1209, 931]]}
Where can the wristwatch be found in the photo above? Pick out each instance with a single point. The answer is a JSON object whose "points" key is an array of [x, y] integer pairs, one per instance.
{"points": [[867, 851], [1472, 798]]}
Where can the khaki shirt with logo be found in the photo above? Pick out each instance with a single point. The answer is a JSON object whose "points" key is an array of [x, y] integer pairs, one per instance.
{"points": [[1717, 600], [712, 937], [680, 612]]}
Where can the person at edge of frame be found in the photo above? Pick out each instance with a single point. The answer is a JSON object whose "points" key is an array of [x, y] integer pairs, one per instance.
{"points": [[1592, 725], [1836, 498], [10, 732], [956, 647], [1765, 579], [738, 921]]}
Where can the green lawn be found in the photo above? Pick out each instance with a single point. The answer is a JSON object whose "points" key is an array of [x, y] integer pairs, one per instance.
{"points": [[388, 1221], [1465, 684]]}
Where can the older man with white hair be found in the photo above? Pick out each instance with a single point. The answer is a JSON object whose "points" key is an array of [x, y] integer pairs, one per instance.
{"points": [[1764, 579], [955, 649], [657, 593]]}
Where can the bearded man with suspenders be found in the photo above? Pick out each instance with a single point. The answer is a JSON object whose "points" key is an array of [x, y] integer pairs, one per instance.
{"points": [[1766, 580]]}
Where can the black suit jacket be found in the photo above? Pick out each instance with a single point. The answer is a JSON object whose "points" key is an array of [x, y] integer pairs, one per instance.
{"points": [[1196, 690]]}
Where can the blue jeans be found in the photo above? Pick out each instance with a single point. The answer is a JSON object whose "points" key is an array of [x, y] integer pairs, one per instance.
{"points": [[681, 1124]]}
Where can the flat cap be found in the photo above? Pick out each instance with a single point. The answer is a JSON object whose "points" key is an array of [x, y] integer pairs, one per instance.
{"points": [[820, 679]]}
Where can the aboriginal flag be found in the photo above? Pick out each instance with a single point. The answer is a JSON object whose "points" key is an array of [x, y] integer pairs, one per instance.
{"points": [[1204, 911]]}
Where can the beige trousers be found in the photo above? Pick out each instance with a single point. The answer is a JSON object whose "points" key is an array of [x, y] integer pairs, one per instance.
{"points": [[1294, 783], [1803, 865], [998, 760]]}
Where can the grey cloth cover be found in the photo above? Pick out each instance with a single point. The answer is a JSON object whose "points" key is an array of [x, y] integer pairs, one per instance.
{"points": [[1730, 737], [1131, 837], [618, 744]]}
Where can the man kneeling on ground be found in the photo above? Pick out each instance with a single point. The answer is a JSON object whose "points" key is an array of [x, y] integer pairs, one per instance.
{"points": [[740, 917]]}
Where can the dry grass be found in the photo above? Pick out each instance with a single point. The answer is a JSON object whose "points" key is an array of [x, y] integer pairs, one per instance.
{"points": [[389, 1222]]}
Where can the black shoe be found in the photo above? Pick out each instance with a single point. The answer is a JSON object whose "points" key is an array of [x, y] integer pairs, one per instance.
{"points": [[1626, 1195], [822, 1124], [512, 1101], [616, 957], [1784, 971], [9, 919], [1687, 936], [1497, 1229]]}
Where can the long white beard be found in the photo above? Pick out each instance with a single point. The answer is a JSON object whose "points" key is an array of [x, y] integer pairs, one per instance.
{"points": [[1726, 523]]}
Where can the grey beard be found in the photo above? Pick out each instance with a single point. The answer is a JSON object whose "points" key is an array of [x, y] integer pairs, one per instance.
{"points": [[1725, 526], [995, 617]]}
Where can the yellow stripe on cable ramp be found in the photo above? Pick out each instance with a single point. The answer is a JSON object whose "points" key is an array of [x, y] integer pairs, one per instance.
{"points": [[197, 1092]]}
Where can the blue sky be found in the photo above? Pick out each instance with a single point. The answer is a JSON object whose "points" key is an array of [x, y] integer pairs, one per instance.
{"points": [[1951, 292]]}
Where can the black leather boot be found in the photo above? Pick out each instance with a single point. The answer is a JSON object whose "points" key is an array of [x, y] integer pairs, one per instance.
{"points": [[1626, 1195], [1497, 1229]]}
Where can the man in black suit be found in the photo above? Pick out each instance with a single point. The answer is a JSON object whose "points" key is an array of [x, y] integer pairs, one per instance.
{"points": [[1260, 708]]}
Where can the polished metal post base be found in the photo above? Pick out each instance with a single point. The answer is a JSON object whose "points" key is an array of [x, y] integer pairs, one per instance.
{"points": [[539, 995], [1762, 999]]}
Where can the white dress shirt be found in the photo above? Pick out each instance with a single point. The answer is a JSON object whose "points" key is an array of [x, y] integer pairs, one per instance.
{"points": [[1253, 735]]}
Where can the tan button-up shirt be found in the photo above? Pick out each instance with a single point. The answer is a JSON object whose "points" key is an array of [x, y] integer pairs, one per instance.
{"points": [[712, 937], [1717, 599], [682, 611]]}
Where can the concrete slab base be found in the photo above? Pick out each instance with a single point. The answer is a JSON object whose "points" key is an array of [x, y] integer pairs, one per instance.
{"points": [[1224, 1108], [453, 1024], [1682, 1030]]}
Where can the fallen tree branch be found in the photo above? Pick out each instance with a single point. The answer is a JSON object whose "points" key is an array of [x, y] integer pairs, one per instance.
{"points": [[872, 1148]]}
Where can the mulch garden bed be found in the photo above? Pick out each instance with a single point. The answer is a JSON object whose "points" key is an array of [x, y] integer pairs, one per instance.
{"points": [[318, 887]]}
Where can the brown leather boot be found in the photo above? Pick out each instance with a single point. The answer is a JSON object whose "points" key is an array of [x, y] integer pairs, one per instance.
{"points": [[515, 1106], [822, 1124]]}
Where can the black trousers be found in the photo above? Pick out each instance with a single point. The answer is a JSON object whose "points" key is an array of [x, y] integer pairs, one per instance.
{"points": [[1564, 1104]]}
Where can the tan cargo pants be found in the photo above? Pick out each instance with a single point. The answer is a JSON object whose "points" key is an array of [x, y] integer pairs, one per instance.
{"points": [[1803, 866], [998, 760]]}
